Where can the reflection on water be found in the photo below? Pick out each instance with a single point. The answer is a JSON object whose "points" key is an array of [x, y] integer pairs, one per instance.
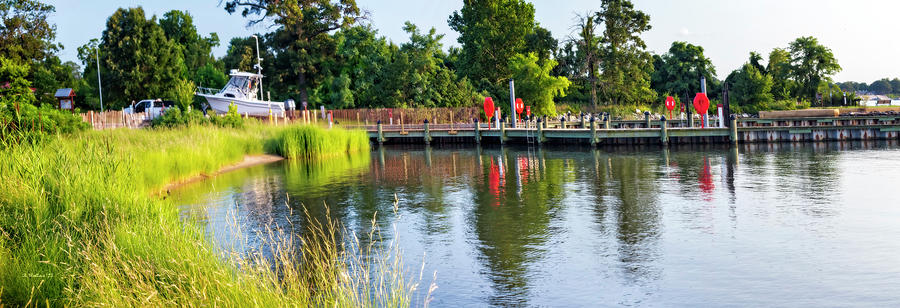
{"points": [[758, 225]]}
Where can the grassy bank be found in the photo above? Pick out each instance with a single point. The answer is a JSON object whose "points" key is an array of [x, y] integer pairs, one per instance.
{"points": [[78, 228]]}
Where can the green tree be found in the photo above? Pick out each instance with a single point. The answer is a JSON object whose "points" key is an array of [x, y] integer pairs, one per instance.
{"points": [[196, 50], [624, 62], [183, 93], [881, 86], [779, 67], [895, 85], [139, 61], [678, 71], [26, 35], [811, 64], [589, 52], [534, 83], [491, 32], [750, 90], [209, 76], [19, 88], [302, 41], [541, 42]]}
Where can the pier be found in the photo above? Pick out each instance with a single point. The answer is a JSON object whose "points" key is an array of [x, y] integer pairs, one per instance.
{"points": [[598, 132]]}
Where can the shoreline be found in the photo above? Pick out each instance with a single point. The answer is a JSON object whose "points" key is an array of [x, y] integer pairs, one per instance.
{"points": [[247, 162]]}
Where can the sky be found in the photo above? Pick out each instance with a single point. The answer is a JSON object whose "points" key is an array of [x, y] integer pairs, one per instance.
{"points": [[861, 33]]}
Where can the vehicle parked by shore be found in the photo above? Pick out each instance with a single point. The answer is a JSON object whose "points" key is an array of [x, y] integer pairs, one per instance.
{"points": [[153, 108]]}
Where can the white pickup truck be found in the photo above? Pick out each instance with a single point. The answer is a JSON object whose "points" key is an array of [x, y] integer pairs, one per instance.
{"points": [[153, 108]]}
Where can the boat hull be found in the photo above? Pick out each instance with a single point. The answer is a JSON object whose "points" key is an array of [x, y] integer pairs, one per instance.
{"points": [[255, 108]]}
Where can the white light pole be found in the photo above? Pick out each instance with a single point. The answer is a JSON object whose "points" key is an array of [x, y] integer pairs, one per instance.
{"points": [[258, 65], [99, 84]]}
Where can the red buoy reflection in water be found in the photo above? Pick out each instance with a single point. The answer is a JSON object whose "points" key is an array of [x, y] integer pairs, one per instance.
{"points": [[494, 184], [706, 181]]}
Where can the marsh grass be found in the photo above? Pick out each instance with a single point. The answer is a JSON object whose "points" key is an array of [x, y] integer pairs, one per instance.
{"points": [[311, 142], [78, 228]]}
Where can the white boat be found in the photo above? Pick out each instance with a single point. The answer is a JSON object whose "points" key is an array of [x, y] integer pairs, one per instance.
{"points": [[243, 90]]}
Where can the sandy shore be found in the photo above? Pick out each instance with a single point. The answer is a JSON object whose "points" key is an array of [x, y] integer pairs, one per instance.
{"points": [[249, 161]]}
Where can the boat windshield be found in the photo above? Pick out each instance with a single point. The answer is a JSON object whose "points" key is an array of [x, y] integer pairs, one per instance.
{"points": [[239, 82]]}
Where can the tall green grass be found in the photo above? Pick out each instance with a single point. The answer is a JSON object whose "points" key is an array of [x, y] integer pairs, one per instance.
{"points": [[313, 142], [78, 228]]}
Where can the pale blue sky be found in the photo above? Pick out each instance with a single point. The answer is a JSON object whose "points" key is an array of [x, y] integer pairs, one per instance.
{"points": [[862, 33]]}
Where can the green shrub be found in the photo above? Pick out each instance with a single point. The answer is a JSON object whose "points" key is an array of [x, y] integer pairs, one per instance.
{"points": [[175, 117]]}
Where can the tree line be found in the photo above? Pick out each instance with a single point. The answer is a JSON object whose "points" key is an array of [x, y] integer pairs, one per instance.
{"points": [[326, 52]]}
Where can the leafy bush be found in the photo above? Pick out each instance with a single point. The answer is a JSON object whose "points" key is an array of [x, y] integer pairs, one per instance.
{"points": [[175, 117]]}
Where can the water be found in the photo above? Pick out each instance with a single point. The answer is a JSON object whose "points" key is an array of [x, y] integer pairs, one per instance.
{"points": [[762, 225]]}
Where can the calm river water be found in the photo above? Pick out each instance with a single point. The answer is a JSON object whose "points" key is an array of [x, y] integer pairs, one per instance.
{"points": [[758, 225]]}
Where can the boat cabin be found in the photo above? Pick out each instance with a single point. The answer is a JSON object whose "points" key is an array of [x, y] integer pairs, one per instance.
{"points": [[242, 85]]}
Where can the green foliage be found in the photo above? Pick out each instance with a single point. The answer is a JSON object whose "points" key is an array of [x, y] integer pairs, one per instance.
{"points": [[751, 90], [210, 77], [139, 61], [183, 93], [811, 64], [491, 33], [196, 50], [316, 143], [19, 88], [177, 117], [678, 71], [779, 67], [534, 83], [624, 62], [881, 86], [26, 34]]}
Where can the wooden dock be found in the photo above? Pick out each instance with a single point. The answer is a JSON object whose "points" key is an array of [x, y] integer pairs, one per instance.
{"points": [[646, 131]]}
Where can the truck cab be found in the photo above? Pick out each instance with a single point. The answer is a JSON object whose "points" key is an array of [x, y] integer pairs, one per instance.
{"points": [[153, 108]]}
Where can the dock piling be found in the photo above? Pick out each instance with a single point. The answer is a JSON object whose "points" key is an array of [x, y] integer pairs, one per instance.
{"points": [[593, 131], [427, 133], [380, 133], [502, 131], [734, 134], [477, 132], [663, 131], [540, 131]]}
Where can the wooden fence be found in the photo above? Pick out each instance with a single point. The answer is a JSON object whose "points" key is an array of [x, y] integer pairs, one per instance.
{"points": [[405, 115], [115, 119]]}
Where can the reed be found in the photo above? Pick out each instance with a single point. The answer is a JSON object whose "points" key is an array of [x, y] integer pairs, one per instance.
{"points": [[78, 228], [313, 142]]}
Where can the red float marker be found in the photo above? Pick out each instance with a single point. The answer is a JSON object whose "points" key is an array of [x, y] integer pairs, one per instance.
{"points": [[670, 105], [701, 105], [520, 106], [488, 109]]}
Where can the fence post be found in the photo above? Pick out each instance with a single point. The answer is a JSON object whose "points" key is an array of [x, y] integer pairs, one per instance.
{"points": [[664, 132], [427, 133], [593, 131], [92, 120], [477, 132]]}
